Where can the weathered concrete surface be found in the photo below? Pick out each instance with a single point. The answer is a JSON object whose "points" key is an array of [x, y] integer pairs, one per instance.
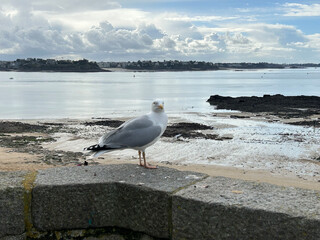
{"points": [[14, 237], [108, 233], [130, 202], [224, 208], [126, 196], [11, 203]]}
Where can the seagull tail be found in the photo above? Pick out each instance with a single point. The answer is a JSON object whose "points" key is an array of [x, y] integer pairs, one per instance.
{"points": [[97, 154], [97, 150]]}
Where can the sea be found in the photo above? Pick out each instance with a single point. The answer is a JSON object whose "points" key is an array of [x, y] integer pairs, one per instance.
{"points": [[41, 95]]}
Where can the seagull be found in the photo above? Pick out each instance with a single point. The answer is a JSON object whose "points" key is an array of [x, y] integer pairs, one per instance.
{"points": [[138, 134]]}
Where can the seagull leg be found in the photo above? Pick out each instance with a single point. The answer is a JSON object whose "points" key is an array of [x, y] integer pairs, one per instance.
{"points": [[146, 165], [140, 163]]}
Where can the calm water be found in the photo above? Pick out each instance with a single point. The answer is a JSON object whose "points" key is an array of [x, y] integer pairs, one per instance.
{"points": [[82, 95]]}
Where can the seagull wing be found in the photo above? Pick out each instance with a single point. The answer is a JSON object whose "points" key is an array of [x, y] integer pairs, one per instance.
{"points": [[135, 133]]}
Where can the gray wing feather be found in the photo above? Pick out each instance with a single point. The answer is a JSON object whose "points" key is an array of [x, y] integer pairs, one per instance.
{"points": [[135, 133]]}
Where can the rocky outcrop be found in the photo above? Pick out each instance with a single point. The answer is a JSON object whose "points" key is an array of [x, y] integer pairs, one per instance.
{"points": [[283, 106]]}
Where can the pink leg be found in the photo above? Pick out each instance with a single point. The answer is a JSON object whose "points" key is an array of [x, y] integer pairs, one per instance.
{"points": [[140, 163], [146, 165]]}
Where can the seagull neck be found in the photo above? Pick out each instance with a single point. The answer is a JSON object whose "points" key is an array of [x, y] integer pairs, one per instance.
{"points": [[157, 112], [158, 115]]}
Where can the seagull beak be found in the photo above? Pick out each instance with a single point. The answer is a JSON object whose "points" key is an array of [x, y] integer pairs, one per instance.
{"points": [[161, 106]]}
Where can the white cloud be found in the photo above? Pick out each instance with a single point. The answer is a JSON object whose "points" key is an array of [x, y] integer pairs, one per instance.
{"points": [[164, 43], [312, 43], [60, 6], [105, 31], [199, 18], [302, 10], [274, 34]]}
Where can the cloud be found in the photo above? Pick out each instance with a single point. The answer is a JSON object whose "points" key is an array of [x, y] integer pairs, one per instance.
{"points": [[199, 18], [107, 38], [313, 43], [165, 43], [274, 34], [99, 31], [302, 10], [60, 6]]}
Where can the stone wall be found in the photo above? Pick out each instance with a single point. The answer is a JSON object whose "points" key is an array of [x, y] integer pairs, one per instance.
{"points": [[130, 202]]}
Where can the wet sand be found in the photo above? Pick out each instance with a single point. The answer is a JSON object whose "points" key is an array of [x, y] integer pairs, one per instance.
{"points": [[39, 144]]}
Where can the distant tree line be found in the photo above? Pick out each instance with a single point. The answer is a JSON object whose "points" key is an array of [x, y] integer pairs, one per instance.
{"points": [[175, 65], [172, 65], [38, 64]]}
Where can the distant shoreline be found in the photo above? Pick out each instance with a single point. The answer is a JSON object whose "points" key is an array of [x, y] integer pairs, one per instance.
{"points": [[143, 70], [52, 65], [63, 71], [131, 70], [193, 70]]}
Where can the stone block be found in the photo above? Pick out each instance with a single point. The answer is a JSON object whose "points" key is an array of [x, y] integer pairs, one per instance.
{"points": [[11, 203], [14, 237], [224, 208], [126, 196]]}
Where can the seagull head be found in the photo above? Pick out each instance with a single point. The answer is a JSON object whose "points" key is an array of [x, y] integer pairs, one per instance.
{"points": [[158, 105]]}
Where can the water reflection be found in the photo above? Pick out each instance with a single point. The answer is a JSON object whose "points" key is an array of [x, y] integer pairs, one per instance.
{"points": [[82, 95]]}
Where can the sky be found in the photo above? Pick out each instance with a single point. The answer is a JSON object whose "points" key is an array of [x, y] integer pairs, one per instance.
{"points": [[131, 30]]}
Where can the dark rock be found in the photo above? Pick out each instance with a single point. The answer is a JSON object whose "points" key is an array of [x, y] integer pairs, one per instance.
{"points": [[19, 127], [279, 105], [306, 123], [187, 130], [107, 122], [238, 116]]}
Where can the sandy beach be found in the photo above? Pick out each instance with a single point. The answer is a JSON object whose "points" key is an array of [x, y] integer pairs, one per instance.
{"points": [[249, 146]]}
